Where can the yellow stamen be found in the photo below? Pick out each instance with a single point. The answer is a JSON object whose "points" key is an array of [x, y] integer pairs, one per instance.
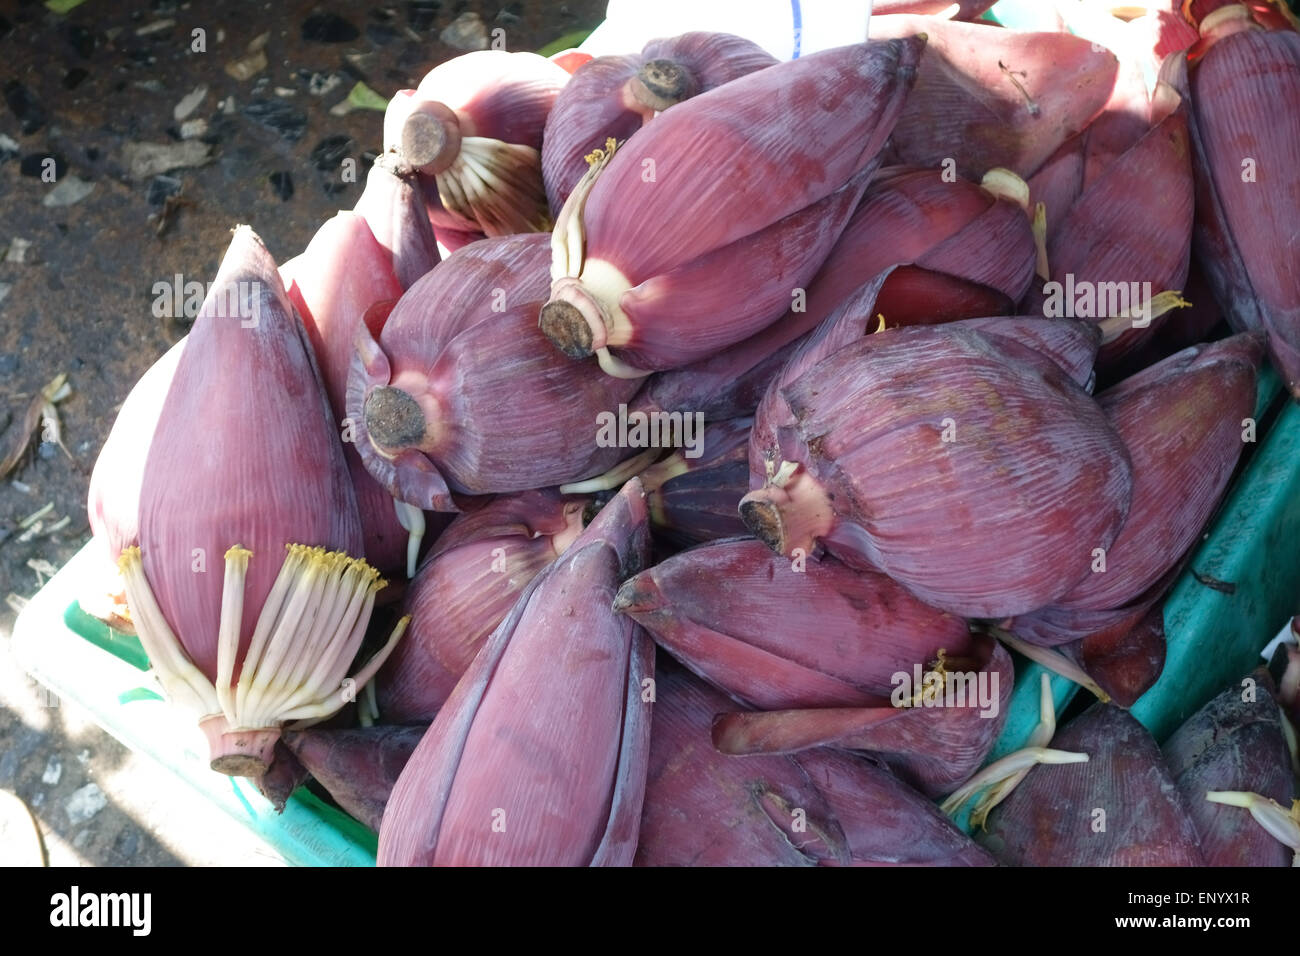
{"points": [[599, 155]]}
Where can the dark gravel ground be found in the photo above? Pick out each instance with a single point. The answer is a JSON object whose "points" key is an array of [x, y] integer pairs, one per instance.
{"points": [[77, 280]]}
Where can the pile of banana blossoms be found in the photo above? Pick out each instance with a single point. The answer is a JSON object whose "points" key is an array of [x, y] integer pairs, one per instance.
{"points": [[916, 445]]}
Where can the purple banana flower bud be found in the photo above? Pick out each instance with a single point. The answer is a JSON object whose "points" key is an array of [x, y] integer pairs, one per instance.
{"points": [[615, 95], [1120, 808], [1247, 201], [1235, 743], [473, 131], [642, 241], [884, 464], [437, 399], [501, 777], [813, 635], [988, 97], [272, 639], [465, 587], [358, 766]]}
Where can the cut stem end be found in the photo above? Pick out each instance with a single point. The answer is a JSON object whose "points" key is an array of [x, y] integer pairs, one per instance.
{"points": [[661, 84], [393, 418], [790, 513], [238, 753], [567, 328]]}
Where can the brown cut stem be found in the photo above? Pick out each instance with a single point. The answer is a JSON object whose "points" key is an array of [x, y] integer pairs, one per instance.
{"points": [[790, 513], [239, 753], [662, 83], [565, 326], [393, 418], [430, 138]]}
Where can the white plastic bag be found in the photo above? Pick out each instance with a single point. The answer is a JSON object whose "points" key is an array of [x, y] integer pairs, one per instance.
{"points": [[787, 29]]}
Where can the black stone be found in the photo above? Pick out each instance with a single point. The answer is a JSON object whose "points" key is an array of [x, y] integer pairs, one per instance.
{"points": [[282, 184], [381, 34], [6, 28], [236, 163], [420, 14], [278, 115], [333, 187], [220, 127], [92, 153], [82, 40], [412, 59], [33, 164], [127, 843], [72, 79], [328, 28], [329, 152], [30, 113], [162, 187], [141, 57]]}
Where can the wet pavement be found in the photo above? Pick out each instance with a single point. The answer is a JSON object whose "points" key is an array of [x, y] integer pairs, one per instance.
{"points": [[133, 137]]}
